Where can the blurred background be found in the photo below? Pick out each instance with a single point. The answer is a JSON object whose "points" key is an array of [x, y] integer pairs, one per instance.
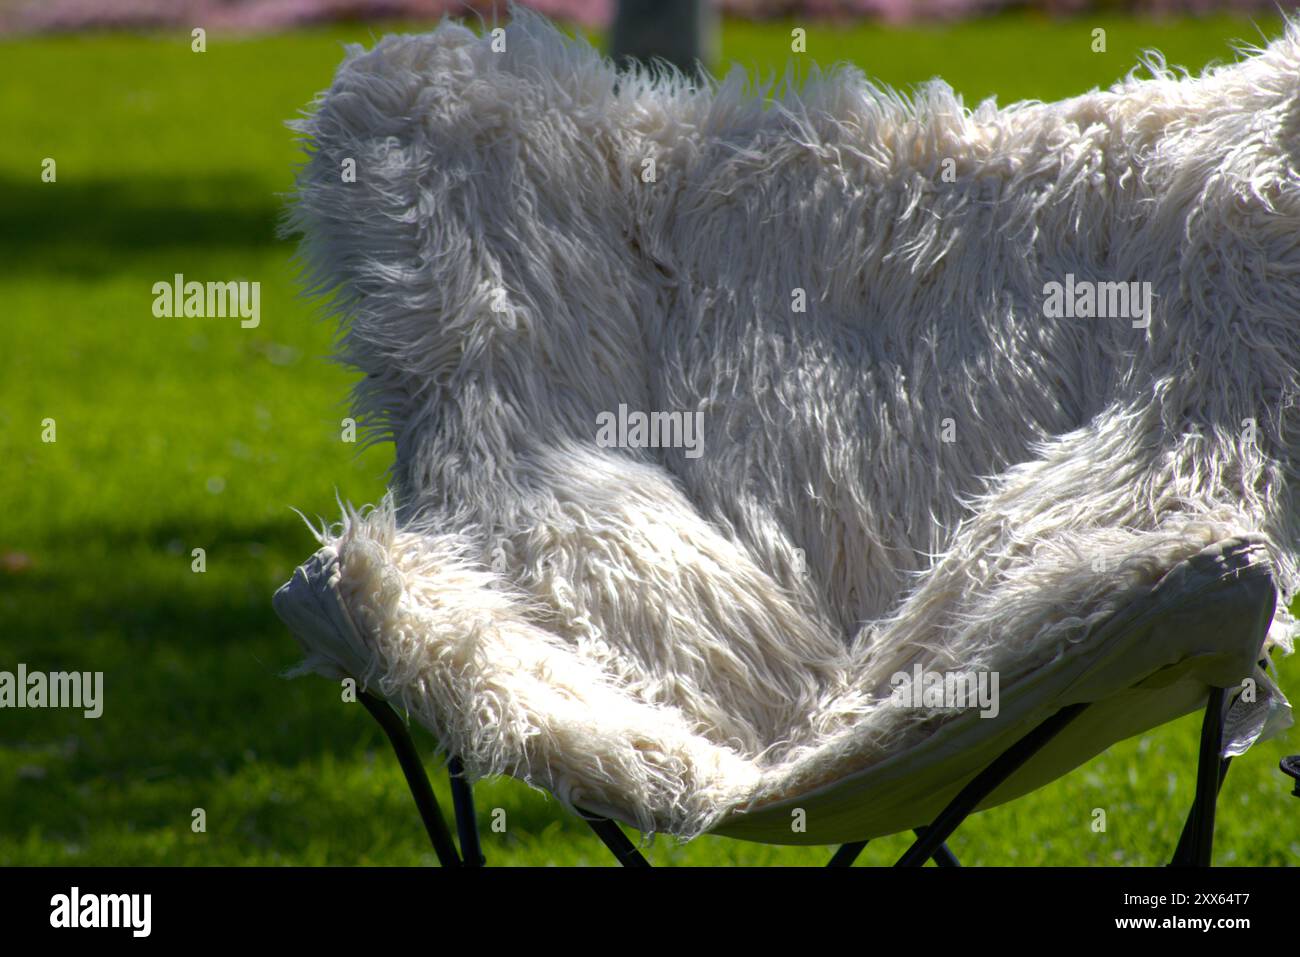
{"points": [[178, 434], [597, 14]]}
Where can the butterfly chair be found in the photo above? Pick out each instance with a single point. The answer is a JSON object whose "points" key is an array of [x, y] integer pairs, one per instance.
{"points": [[736, 448]]}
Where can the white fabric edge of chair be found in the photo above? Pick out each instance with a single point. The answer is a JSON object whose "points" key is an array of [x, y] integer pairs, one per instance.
{"points": [[1202, 625]]}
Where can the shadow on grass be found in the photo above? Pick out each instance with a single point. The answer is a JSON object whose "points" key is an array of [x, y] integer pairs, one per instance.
{"points": [[70, 225], [196, 708], [197, 714]]}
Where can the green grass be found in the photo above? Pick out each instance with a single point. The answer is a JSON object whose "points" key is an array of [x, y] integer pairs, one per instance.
{"points": [[178, 434]]}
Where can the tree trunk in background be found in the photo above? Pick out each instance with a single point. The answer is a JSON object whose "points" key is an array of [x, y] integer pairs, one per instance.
{"points": [[683, 32]]}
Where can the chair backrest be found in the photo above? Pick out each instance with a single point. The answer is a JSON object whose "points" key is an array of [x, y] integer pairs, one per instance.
{"points": [[848, 323]]}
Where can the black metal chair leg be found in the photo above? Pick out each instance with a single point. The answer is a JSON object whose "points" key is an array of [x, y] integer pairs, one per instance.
{"points": [[1290, 766], [984, 784], [847, 854], [1196, 844], [416, 779], [462, 799], [942, 857], [614, 839], [945, 858]]}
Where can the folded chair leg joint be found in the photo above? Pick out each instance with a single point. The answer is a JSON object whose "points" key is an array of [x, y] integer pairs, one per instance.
{"points": [[931, 839], [848, 853]]}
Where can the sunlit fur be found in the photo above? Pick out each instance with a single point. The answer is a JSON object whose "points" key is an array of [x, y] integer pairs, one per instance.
{"points": [[638, 629]]}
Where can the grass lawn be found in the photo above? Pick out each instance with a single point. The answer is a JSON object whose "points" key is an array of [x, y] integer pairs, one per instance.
{"points": [[194, 433]]}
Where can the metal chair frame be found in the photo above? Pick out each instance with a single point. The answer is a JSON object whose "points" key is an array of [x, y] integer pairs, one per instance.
{"points": [[1195, 845]]}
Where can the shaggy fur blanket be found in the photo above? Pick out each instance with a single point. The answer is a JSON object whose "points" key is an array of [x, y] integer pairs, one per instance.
{"points": [[715, 408]]}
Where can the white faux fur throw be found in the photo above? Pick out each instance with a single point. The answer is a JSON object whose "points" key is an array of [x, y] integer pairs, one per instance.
{"points": [[904, 452]]}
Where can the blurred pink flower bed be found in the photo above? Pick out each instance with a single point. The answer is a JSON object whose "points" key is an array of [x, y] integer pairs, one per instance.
{"points": [[253, 15]]}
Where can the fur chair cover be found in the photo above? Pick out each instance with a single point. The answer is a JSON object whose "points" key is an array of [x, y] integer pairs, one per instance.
{"points": [[923, 465]]}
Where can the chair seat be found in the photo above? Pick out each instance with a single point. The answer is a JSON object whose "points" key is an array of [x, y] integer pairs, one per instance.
{"points": [[1201, 626], [715, 418]]}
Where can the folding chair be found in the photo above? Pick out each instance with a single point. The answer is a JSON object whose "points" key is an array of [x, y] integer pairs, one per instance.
{"points": [[742, 639], [1209, 608]]}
